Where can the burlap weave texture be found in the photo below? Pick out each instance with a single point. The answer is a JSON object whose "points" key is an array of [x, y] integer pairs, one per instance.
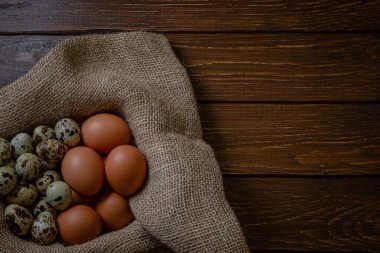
{"points": [[182, 207]]}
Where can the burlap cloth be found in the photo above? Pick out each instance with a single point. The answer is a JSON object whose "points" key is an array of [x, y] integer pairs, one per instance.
{"points": [[182, 207]]}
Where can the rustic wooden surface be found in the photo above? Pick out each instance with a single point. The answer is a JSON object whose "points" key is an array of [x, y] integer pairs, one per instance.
{"points": [[190, 15], [246, 67], [308, 214], [317, 139], [289, 96]]}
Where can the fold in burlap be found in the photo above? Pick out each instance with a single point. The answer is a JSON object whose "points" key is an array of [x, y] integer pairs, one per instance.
{"points": [[182, 207]]}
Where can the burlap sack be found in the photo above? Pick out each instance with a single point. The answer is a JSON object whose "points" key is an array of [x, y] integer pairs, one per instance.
{"points": [[182, 206]]}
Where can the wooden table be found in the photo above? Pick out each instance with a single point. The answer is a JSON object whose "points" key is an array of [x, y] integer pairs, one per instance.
{"points": [[289, 99]]}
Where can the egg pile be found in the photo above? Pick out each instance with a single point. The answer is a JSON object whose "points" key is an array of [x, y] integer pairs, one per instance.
{"points": [[71, 182]]}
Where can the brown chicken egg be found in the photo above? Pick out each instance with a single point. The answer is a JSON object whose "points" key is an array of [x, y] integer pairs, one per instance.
{"points": [[83, 170], [114, 211], [103, 132], [79, 224], [126, 169]]}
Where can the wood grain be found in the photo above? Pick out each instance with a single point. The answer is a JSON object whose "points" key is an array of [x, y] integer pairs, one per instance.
{"points": [[308, 214], [246, 67], [282, 139], [288, 99], [195, 15]]}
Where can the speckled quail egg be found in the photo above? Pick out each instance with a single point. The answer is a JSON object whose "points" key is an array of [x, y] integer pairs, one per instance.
{"points": [[46, 179], [21, 143], [10, 163], [23, 194], [43, 133], [18, 219], [5, 151], [51, 150], [44, 229], [8, 180], [28, 167], [58, 194], [43, 206], [68, 132]]}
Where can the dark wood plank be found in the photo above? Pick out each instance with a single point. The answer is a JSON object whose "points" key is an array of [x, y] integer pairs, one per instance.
{"points": [[20, 53], [308, 214], [309, 139], [246, 67], [193, 15], [289, 67]]}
